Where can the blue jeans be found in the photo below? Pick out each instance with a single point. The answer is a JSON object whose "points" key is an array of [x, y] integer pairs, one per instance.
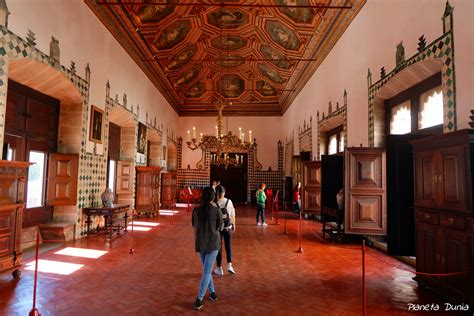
{"points": [[261, 212], [207, 260]]}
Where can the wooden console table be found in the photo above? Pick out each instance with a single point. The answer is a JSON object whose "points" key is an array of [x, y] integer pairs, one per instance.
{"points": [[110, 217]]}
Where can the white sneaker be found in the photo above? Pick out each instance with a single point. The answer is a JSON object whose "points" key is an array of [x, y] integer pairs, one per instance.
{"points": [[258, 224], [264, 224], [230, 269], [219, 271]]}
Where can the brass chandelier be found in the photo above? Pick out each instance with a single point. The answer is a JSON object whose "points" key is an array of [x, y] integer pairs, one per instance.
{"points": [[221, 145]]}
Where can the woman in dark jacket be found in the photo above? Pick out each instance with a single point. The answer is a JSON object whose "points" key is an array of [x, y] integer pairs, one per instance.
{"points": [[207, 221]]}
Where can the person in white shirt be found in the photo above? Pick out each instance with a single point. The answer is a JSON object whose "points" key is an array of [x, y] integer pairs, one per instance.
{"points": [[228, 215]]}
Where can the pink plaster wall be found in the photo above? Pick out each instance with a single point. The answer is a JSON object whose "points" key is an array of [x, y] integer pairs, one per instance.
{"points": [[267, 131], [83, 39], [370, 42]]}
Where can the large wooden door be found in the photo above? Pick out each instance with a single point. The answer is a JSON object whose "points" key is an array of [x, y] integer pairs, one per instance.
{"points": [[365, 191], [311, 187], [234, 179], [31, 129], [400, 191]]}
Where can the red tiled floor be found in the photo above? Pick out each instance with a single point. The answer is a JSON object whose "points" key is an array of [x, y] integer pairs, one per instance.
{"points": [[163, 276]]}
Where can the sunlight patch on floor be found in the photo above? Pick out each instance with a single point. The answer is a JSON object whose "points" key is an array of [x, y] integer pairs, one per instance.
{"points": [[56, 267], [144, 224], [81, 252]]}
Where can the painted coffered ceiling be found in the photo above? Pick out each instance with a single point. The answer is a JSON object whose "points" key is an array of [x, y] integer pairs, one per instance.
{"points": [[255, 56]]}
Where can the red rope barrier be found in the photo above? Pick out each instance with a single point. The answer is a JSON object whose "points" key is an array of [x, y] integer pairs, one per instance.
{"points": [[34, 311]]}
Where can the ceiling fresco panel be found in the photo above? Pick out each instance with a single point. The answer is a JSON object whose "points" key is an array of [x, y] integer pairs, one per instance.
{"points": [[227, 18], [299, 15], [277, 58], [283, 35], [231, 86], [173, 34], [270, 73], [265, 89], [253, 53], [182, 58], [150, 12], [228, 42]]}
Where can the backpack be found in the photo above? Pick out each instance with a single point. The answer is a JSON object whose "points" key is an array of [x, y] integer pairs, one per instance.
{"points": [[225, 215]]}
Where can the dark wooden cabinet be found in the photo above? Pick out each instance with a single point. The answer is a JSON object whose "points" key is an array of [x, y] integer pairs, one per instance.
{"points": [[147, 198], [444, 215], [168, 188], [13, 176], [311, 187]]}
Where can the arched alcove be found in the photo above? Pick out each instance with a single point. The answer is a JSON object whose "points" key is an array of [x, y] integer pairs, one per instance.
{"points": [[400, 82], [49, 81]]}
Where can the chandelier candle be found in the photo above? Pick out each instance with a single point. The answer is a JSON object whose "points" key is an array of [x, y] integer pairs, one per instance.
{"points": [[189, 137], [250, 136], [194, 132]]}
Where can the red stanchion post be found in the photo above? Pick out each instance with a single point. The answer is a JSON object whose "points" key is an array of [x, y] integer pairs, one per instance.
{"points": [[132, 251], [187, 207], [172, 213], [34, 311], [276, 209], [364, 297], [300, 237]]}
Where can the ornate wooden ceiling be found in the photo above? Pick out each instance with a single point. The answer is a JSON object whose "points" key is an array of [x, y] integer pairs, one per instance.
{"points": [[253, 55]]}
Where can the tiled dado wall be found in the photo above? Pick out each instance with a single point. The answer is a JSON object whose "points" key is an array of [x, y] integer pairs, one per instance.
{"points": [[199, 178]]}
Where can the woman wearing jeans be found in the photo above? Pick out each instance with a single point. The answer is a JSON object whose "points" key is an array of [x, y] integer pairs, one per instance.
{"points": [[207, 221], [228, 215]]}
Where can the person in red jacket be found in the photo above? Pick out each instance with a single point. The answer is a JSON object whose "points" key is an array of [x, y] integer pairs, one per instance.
{"points": [[297, 197]]}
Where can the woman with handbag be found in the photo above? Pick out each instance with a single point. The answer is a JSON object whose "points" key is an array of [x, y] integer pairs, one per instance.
{"points": [[228, 215]]}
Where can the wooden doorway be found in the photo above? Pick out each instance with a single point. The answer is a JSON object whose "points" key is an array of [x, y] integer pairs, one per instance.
{"points": [[31, 133], [234, 179]]}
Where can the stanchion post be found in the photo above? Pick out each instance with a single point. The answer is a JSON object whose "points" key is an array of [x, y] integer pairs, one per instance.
{"points": [[286, 231], [364, 297], [131, 250], [172, 213], [276, 208], [300, 237], [187, 201], [34, 311]]}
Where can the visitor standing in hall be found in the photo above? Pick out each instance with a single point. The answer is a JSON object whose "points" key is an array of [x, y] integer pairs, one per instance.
{"points": [[261, 199], [207, 221], [297, 198], [227, 209]]}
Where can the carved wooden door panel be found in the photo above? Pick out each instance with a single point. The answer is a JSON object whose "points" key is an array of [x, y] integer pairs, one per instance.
{"points": [[365, 191], [426, 178], [124, 177], [426, 238], [62, 179], [311, 187], [451, 179], [144, 190]]}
